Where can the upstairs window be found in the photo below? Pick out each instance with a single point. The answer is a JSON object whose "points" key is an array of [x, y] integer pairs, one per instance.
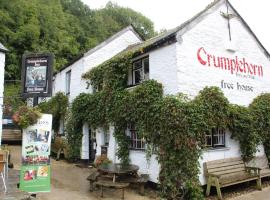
{"points": [[140, 71], [136, 142], [68, 78], [215, 138]]}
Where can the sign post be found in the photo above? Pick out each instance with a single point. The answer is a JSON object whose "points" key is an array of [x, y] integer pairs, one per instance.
{"points": [[37, 76], [36, 82]]}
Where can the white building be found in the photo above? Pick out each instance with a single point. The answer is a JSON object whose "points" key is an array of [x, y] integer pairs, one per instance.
{"points": [[204, 51], [3, 51], [69, 78]]}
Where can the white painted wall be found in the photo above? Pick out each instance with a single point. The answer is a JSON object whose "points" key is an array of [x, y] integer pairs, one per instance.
{"points": [[178, 69], [2, 73], [212, 34], [91, 59], [163, 68]]}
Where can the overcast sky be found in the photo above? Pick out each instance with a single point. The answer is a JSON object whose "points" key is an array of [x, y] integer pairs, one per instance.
{"points": [[171, 13]]}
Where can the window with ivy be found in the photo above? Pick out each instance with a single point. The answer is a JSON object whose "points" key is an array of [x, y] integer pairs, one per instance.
{"points": [[140, 71], [136, 142], [215, 138]]}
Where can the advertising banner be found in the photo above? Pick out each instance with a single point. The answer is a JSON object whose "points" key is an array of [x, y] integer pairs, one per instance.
{"points": [[35, 170]]}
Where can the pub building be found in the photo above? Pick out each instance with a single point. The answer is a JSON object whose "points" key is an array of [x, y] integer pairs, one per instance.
{"points": [[203, 51]]}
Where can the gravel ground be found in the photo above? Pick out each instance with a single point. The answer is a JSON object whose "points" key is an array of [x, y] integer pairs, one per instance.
{"points": [[69, 182]]}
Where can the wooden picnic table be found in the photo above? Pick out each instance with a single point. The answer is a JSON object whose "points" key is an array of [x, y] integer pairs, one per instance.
{"points": [[117, 169]]}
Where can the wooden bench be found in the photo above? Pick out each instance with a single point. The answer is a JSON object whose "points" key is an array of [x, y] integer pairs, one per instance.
{"points": [[111, 184], [262, 163], [92, 178], [57, 147], [231, 171], [141, 180]]}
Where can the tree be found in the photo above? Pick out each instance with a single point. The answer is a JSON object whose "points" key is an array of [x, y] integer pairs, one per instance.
{"points": [[65, 28]]}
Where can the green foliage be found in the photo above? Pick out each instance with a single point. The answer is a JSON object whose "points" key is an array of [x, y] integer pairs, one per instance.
{"points": [[173, 126], [243, 130], [66, 28], [26, 116], [260, 108], [74, 137], [215, 107], [12, 99], [57, 106]]}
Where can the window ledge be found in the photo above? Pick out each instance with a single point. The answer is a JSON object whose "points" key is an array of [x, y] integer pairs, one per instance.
{"points": [[137, 150], [131, 87], [217, 149]]}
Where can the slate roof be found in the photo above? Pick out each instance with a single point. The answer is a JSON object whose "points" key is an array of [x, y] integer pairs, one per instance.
{"points": [[2, 48], [170, 36]]}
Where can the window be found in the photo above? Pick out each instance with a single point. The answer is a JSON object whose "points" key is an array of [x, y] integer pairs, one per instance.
{"points": [[68, 78], [215, 138], [140, 71], [106, 138], [136, 142]]}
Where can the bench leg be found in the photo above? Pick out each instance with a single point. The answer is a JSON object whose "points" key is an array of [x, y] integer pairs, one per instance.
{"points": [[259, 183], [209, 183], [91, 186], [101, 195], [142, 189], [218, 189], [58, 154], [123, 193]]}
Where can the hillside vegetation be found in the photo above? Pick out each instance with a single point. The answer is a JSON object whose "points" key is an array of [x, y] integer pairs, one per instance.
{"points": [[67, 28]]}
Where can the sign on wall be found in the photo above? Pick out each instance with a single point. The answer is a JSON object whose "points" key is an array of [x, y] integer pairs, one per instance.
{"points": [[37, 75], [35, 169]]}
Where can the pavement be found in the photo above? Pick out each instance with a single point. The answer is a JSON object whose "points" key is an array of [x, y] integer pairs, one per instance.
{"points": [[68, 182], [256, 195]]}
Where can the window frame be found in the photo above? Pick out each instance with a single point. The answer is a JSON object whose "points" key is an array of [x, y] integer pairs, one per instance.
{"points": [[218, 133], [141, 68], [68, 82], [135, 139]]}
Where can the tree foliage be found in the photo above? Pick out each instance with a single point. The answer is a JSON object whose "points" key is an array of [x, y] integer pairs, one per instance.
{"points": [[66, 28]]}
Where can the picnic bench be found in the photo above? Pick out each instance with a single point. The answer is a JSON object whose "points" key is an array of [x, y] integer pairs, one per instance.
{"points": [[141, 180], [92, 178], [230, 171], [111, 184], [58, 147]]}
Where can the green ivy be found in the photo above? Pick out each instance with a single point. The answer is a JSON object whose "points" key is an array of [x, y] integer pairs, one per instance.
{"points": [[260, 108], [174, 126], [57, 106]]}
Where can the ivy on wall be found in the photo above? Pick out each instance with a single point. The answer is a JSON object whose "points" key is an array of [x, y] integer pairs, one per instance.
{"points": [[57, 106], [173, 125]]}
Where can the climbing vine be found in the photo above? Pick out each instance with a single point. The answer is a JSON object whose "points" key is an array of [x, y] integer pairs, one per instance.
{"points": [[260, 108], [174, 126], [57, 106]]}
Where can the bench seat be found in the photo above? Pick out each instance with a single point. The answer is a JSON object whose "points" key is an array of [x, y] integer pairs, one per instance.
{"points": [[230, 171], [111, 184], [141, 180]]}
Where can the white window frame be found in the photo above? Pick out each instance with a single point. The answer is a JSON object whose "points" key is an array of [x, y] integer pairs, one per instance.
{"points": [[68, 82], [136, 142], [139, 66], [216, 138]]}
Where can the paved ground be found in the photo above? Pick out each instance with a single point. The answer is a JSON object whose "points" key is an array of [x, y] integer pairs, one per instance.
{"points": [[256, 195], [68, 182]]}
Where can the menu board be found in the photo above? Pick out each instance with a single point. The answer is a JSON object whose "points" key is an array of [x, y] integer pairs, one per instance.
{"points": [[35, 169]]}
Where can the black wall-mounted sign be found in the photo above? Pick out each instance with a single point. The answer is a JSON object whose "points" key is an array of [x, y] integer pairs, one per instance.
{"points": [[37, 75]]}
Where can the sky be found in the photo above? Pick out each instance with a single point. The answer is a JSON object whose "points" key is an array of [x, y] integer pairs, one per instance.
{"points": [[171, 13]]}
